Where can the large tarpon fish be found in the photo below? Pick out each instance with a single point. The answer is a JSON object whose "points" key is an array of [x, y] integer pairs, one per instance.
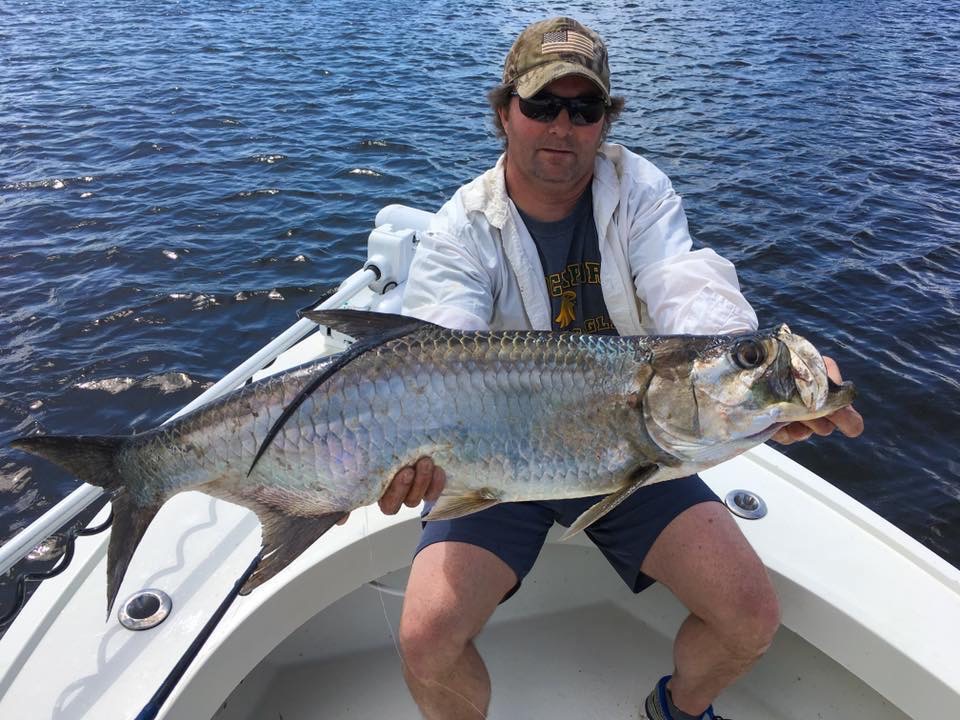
{"points": [[509, 416]]}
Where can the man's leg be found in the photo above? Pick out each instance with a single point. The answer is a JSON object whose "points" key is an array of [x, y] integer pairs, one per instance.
{"points": [[708, 564], [453, 589]]}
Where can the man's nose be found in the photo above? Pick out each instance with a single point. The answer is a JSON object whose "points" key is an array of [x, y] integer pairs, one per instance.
{"points": [[561, 124]]}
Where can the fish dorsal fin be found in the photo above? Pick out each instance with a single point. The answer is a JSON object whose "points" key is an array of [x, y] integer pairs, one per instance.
{"points": [[364, 325], [638, 478], [370, 329], [285, 537], [449, 507]]}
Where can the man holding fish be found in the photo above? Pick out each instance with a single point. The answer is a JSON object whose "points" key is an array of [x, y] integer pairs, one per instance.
{"points": [[570, 233], [656, 375]]}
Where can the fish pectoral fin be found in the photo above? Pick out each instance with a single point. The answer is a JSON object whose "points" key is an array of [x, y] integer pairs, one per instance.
{"points": [[285, 537], [638, 478], [449, 507]]}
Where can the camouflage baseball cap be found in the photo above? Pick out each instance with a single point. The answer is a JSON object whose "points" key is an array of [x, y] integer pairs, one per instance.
{"points": [[552, 49]]}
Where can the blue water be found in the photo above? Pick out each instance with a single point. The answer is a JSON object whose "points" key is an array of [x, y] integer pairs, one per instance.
{"points": [[176, 179]]}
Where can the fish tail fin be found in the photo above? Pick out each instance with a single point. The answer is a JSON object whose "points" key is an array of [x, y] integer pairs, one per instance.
{"points": [[93, 460], [90, 458], [130, 522]]}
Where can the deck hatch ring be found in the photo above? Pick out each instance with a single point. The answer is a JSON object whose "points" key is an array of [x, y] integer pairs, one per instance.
{"points": [[746, 504], [145, 609]]}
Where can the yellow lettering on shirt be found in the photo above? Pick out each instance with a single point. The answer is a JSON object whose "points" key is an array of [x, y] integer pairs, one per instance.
{"points": [[597, 324], [592, 273], [573, 276], [554, 284]]}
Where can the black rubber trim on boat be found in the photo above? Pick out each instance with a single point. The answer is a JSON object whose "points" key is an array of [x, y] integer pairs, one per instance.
{"points": [[21, 595], [156, 702]]}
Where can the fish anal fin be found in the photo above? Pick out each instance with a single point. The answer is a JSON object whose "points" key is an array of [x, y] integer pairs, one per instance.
{"points": [[637, 479], [130, 522], [449, 507], [285, 537]]}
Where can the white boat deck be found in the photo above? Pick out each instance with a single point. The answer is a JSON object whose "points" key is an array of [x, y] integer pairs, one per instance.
{"points": [[595, 651], [574, 642]]}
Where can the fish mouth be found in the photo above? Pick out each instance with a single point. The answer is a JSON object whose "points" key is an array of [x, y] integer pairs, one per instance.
{"points": [[798, 361], [838, 396]]}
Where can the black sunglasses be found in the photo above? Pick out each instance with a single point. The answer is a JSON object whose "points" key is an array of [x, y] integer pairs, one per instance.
{"points": [[544, 107]]}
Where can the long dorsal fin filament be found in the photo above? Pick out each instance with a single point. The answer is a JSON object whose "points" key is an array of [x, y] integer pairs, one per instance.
{"points": [[371, 330]]}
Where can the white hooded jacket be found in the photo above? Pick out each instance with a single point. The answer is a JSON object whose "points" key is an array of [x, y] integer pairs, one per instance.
{"points": [[477, 268]]}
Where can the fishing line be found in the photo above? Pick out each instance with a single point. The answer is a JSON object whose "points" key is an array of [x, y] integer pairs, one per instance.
{"points": [[384, 590], [376, 586]]}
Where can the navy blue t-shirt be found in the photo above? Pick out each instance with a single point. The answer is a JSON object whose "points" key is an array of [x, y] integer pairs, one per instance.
{"points": [[570, 254]]}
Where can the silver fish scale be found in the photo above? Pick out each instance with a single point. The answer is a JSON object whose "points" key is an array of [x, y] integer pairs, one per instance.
{"points": [[521, 415], [213, 446]]}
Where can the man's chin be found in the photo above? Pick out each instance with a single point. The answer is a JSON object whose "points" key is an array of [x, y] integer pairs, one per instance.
{"points": [[562, 172]]}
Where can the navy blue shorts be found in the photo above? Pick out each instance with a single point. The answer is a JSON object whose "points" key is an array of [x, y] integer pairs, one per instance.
{"points": [[516, 531]]}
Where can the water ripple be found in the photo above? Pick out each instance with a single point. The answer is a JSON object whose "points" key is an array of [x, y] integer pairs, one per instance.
{"points": [[177, 179]]}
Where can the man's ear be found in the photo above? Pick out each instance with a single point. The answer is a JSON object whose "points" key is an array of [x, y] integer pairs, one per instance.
{"points": [[504, 113]]}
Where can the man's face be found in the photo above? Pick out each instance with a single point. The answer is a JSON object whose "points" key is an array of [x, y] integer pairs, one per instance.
{"points": [[554, 155]]}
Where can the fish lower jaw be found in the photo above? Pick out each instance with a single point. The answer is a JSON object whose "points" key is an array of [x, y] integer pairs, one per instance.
{"points": [[812, 414], [766, 433], [834, 401]]}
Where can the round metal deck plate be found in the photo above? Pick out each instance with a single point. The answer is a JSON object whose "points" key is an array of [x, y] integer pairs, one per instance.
{"points": [[746, 504], [145, 609]]}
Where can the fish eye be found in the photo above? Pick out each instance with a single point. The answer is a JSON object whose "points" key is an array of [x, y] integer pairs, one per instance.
{"points": [[749, 354]]}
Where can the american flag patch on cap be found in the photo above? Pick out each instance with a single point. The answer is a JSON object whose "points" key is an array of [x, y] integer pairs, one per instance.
{"points": [[557, 41]]}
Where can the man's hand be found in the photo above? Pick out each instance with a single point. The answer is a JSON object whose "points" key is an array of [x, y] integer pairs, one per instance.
{"points": [[846, 419], [410, 486]]}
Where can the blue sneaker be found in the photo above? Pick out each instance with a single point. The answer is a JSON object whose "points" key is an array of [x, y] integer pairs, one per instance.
{"points": [[657, 705]]}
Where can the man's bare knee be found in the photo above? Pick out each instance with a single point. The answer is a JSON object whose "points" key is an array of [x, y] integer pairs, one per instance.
{"points": [[705, 559], [430, 646], [452, 591], [748, 620], [764, 620]]}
